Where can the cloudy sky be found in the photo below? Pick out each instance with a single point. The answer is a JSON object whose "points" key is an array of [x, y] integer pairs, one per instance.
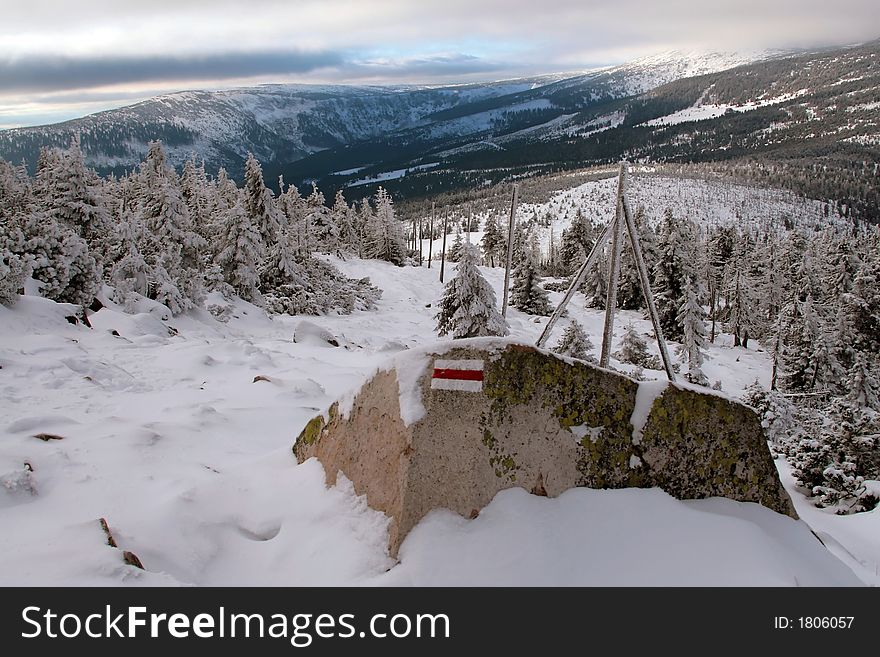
{"points": [[61, 58]]}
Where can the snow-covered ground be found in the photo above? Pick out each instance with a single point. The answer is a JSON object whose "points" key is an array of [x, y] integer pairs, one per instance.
{"points": [[168, 437]]}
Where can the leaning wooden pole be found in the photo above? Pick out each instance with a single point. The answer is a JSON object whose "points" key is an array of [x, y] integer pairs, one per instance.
{"points": [[510, 227], [576, 282], [614, 272], [431, 236], [443, 252], [646, 289]]}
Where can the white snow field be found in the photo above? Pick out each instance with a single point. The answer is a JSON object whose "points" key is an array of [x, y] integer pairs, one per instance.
{"points": [[169, 438]]}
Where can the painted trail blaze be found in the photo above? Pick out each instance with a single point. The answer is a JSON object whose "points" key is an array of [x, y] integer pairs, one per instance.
{"points": [[463, 375]]}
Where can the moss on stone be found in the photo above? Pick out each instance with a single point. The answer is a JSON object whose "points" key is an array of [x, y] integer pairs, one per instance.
{"points": [[310, 434]]}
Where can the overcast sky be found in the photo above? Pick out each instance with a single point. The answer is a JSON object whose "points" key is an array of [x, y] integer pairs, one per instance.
{"points": [[62, 58]]}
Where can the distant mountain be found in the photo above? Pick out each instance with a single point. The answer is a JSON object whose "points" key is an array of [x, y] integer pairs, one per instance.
{"points": [[282, 124], [811, 117]]}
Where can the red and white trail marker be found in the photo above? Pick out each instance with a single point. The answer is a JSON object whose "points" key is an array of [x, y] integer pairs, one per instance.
{"points": [[464, 375]]}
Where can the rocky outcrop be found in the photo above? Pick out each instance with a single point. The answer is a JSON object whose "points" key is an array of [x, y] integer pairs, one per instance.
{"points": [[424, 435]]}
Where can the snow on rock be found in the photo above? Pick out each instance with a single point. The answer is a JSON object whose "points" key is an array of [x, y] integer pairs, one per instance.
{"points": [[647, 393]]}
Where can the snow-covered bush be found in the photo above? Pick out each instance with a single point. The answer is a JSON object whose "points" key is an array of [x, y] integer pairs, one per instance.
{"points": [[310, 286], [835, 463]]}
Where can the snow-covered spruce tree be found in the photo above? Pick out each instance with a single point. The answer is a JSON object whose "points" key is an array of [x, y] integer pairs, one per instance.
{"points": [[454, 252], [321, 219], [241, 253], [633, 348], [384, 233], [492, 242], [577, 240], [200, 198], [74, 195], [674, 254], [130, 275], [595, 285], [258, 201], [13, 261], [343, 217], [807, 357], [526, 293], [779, 416], [835, 464], [691, 318], [467, 309], [741, 315], [575, 343], [172, 249], [58, 258]]}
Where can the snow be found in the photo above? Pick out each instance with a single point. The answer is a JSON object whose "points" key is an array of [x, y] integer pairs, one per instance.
{"points": [[623, 537], [391, 175], [647, 393], [700, 111], [166, 435]]}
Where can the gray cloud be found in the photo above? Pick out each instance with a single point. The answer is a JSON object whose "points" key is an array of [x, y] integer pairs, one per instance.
{"points": [[56, 73]]}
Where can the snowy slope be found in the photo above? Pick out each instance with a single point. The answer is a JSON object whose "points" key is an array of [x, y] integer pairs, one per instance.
{"points": [[167, 436]]}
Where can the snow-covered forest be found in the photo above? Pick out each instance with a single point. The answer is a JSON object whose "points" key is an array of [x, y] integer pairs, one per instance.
{"points": [[764, 296]]}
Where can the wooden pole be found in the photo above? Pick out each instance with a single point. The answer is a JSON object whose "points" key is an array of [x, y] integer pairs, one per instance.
{"points": [[646, 289], [421, 243], [443, 252], [576, 282], [431, 235], [510, 228], [614, 273]]}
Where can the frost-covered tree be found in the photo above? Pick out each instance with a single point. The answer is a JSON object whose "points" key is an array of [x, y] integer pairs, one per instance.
{"points": [[468, 306], [691, 318], [171, 248], [241, 253], [73, 194], [454, 252], [575, 342], [258, 201], [526, 293], [130, 275], [385, 239], [343, 217], [674, 264], [633, 348], [200, 199]]}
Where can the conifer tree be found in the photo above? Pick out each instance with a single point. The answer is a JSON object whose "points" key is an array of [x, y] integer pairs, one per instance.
{"points": [[259, 203], [633, 348], [241, 253], [492, 242], [575, 342], [526, 293], [690, 317], [468, 306], [384, 234]]}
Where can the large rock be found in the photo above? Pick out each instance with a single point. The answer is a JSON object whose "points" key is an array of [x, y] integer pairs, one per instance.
{"points": [[536, 421]]}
